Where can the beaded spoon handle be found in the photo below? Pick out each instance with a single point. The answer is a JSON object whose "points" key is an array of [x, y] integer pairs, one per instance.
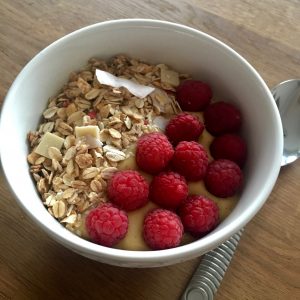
{"points": [[211, 270]]}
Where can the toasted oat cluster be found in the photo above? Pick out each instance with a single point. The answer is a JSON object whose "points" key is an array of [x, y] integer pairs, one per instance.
{"points": [[71, 175]]}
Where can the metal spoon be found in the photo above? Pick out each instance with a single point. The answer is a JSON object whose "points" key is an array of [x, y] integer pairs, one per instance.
{"points": [[287, 97], [211, 270]]}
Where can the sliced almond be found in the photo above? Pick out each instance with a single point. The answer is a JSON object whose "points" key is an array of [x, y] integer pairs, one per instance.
{"points": [[108, 172], [114, 133], [71, 219], [78, 184], [59, 209], [139, 103], [62, 113], [54, 153], [96, 186], [89, 173], [71, 108], [70, 167], [50, 112], [56, 165], [82, 104], [67, 179], [128, 123], [105, 111], [83, 85], [64, 128], [75, 116], [110, 148], [32, 157], [50, 200], [92, 94], [48, 127], [68, 193], [115, 156], [69, 154], [104, 135], [127, 110], [169, 77]]}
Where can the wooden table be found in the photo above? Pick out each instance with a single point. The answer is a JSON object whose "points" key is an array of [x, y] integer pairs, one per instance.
{"points": [[267, 262]]}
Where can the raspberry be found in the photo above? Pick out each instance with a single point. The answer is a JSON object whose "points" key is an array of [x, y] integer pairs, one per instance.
{"points": [[128, 190], [199, 215], [66, 103], [223, 178], [184, 127], [92, 114], [162, 229], [221, 117], [193, 95], [190, 160], [168, 189], [106, 225], [229, 146], [153, 152]]}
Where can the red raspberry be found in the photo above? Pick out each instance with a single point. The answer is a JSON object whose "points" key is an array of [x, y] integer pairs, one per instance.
{"points": [[190, 160], [193, 95], [92, 114], [66, 103], [106, 225], [128, 190], [229, 146], [168, 189], [162, 229], [221, 117], [153, 152], [199, 215], [184, 127], [223, 178]]}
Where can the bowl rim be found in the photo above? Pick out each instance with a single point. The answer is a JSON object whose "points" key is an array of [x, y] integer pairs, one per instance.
{"points": [[183, 252]]}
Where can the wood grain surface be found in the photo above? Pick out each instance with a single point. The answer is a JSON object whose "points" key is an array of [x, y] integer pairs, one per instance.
{"points": [[267, 262]]}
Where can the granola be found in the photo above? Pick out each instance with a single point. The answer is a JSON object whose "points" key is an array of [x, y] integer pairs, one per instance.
{"points": [[72, 179]]}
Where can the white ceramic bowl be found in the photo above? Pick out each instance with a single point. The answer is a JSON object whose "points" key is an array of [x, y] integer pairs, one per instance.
{"points": [[181, 47]]}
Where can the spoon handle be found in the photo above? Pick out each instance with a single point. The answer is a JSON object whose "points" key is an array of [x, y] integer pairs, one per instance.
{"points": [[211, 270]]}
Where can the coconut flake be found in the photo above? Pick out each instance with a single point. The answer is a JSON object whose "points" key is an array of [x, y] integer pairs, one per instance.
{"points": [[160, 122], [136, 89]]}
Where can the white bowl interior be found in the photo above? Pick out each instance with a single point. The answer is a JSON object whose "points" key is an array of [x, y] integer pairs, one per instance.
{"points": [[184, 49]]}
